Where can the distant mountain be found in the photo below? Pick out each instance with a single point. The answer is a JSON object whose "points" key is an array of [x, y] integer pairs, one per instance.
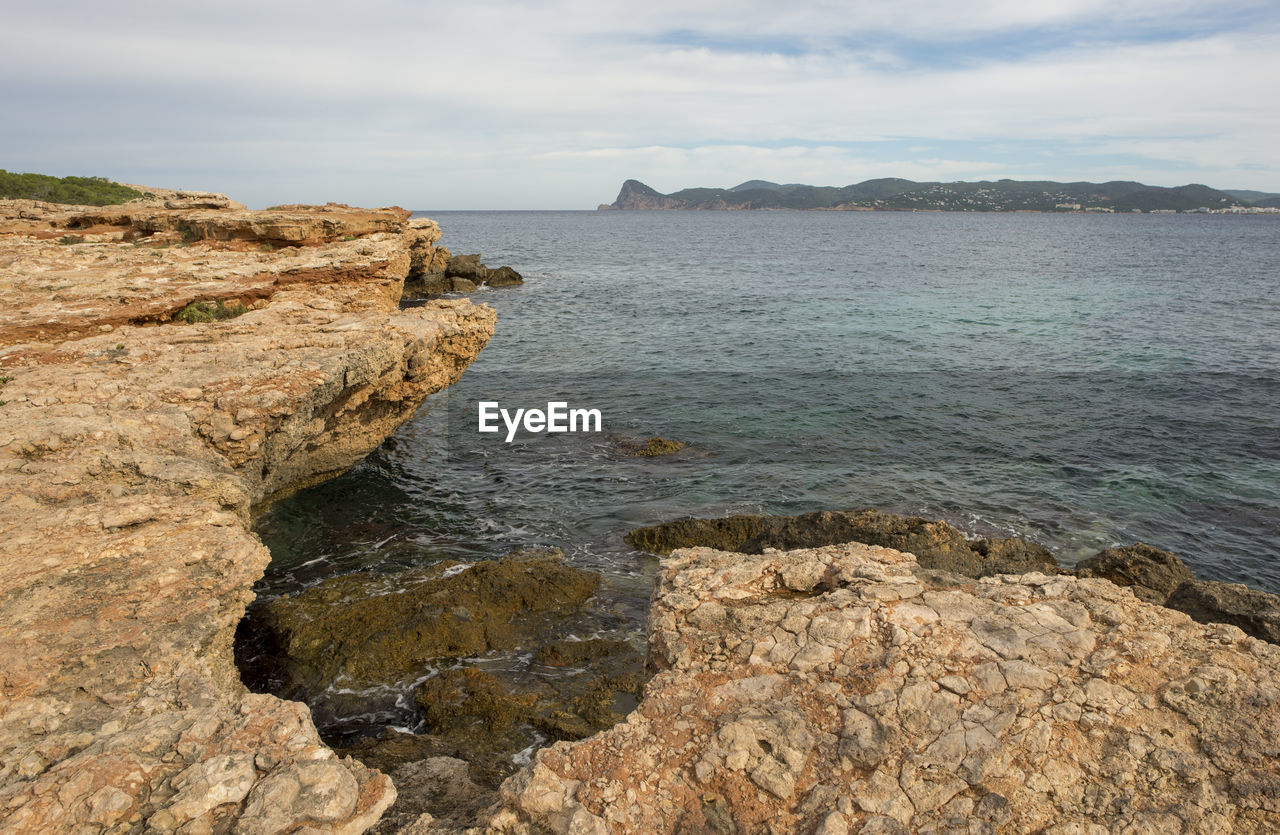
{"points": [[891, 194], [1257, 198]]}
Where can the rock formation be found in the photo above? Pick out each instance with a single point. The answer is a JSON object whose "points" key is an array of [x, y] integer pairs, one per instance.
{"points": [[377, 629], [132, 449], [935, 544], [636, 195], [847, 689], [405, 636], [649, 448], [447, 273], [1152, 574]]}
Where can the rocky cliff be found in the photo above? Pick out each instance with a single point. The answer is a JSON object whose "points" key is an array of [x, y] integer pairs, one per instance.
{"points": [[167, 367], [846, 689]]}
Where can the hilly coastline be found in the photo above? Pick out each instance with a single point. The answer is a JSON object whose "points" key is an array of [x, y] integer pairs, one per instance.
{"points": [[894, 194]]}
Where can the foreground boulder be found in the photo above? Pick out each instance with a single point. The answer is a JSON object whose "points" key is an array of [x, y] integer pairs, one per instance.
{"points": [[1152, 574], [1208, 601], [847, 689], [935, 544]]}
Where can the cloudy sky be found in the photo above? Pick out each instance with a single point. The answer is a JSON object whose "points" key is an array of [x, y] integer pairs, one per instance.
{"points": [[546, 105]]}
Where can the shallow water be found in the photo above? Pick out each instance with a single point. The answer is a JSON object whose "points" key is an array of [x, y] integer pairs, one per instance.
{"points": [[1080, 380]]}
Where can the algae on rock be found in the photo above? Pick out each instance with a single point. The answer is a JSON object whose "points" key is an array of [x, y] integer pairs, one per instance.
{"points": [[369, 629]]}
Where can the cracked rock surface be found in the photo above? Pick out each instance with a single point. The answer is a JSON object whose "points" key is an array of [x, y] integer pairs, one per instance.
{"points": [[846, 689], [132, 448]]}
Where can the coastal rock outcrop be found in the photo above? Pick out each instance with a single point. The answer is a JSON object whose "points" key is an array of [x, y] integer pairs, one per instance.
{"points": [[448, 273], [412, 636], [1152, 574], [636, 195], [1209, 601], [935, 544], [132, 449], [847, 689]]}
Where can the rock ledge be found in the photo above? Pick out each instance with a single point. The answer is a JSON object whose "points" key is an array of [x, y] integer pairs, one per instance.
{"points": [[846, 689], [132, 448]]}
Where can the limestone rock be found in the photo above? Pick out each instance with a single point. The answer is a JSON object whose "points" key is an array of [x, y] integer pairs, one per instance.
{"points": [[132, 449], [424, 257], [441, 789], [846, 689], [429, 285], [468, 267]]}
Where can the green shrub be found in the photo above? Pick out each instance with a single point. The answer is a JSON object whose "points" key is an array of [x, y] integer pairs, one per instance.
{"points": [[79, 191], [67, 240], [210, 311]]}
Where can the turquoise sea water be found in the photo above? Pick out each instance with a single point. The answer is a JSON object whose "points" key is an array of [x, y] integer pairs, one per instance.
{"points": [[1080, 380]]}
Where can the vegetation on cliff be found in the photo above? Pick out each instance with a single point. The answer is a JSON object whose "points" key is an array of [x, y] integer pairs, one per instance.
{"points": [[898, 194], [78, 191]]}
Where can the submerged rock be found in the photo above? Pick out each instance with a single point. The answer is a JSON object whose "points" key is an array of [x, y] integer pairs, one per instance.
{"points": [[1152, 574], [936, 544], [478, 724], [431, 779], [368, 629], [491, 713], [650, 448], [846, 689]]}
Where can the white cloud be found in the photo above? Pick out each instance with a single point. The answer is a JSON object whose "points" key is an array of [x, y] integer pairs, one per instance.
{"points": [[499, 104]]}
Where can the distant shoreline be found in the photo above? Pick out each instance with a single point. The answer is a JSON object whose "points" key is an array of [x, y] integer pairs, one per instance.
{"points": [[1002, 196]]}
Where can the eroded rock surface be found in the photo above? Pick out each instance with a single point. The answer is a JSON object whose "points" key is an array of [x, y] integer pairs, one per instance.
{"points": [[132, 448], [847, 689]]}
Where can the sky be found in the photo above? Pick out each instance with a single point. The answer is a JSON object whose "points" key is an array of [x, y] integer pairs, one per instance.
{"points": [[497, 104]]}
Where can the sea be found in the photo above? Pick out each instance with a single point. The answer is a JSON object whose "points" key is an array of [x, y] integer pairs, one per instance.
{"points": [[1081, 380]]}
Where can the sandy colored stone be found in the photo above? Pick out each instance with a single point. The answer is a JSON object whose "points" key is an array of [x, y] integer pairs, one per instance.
{"points": [[132, 449], [1015, 703]]}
